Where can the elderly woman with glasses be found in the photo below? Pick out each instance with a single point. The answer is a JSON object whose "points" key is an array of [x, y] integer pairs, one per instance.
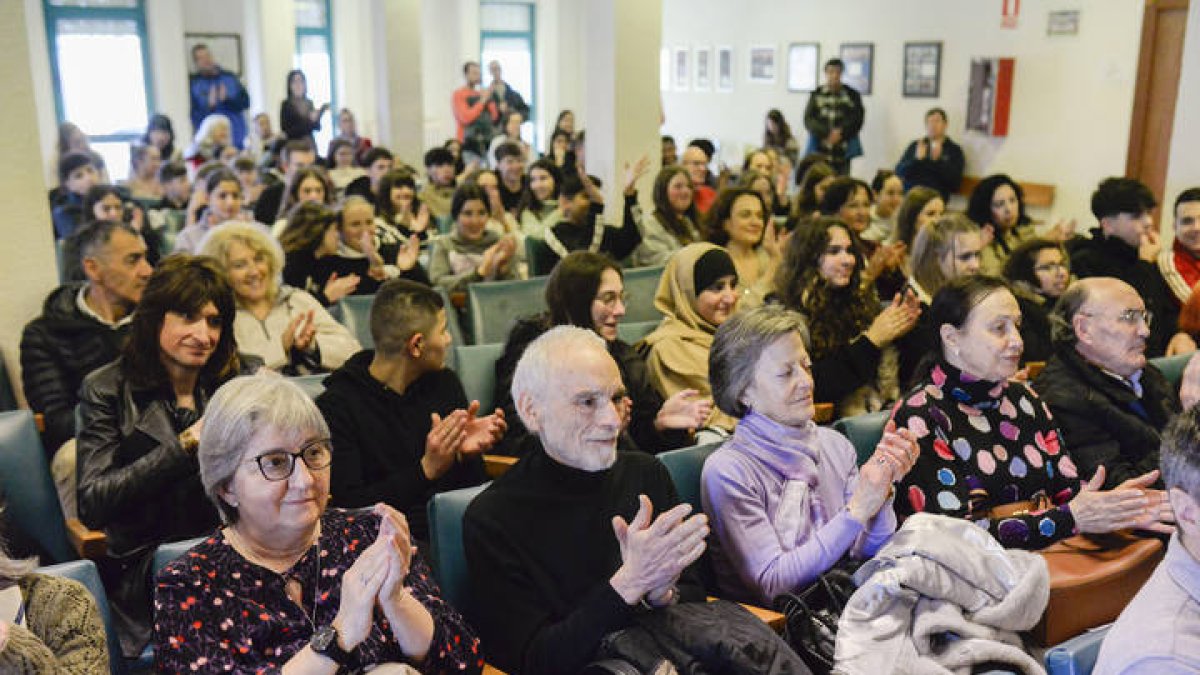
{"points": [[286, 584]]}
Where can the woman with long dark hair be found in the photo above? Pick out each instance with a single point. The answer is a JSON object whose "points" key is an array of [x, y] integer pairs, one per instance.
{"points": [[298, 116], [673, 224], [997, 206], [777, 135]]}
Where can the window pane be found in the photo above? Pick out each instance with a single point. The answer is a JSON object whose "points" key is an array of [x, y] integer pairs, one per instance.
{"points": [[116, 157], [311, 14], [127, 4], [508, 17], [100, 72], [312, 57]]}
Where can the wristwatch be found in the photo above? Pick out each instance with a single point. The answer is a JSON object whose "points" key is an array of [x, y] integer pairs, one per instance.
{"points": [[324, 642]]}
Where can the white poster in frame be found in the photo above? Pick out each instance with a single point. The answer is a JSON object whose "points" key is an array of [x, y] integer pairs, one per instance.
{"points": [[803, 63], [725, 68], [680, 62], [702, 69], [761, 64]]}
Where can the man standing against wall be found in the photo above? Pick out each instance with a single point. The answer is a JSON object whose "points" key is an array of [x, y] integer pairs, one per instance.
{"points": [[507, 99], [216, 90], [833, 117], [475, 112]]}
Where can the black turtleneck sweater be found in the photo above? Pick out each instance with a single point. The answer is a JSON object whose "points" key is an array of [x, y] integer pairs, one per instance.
{"points": [[541, 550], [1103, 256], [379, 440]]}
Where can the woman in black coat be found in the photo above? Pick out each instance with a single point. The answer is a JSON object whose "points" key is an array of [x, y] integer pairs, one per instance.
{"points": [[1039, 270]]}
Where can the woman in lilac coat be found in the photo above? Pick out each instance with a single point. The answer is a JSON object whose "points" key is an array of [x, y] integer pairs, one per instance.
{"points": [[784, 497]]}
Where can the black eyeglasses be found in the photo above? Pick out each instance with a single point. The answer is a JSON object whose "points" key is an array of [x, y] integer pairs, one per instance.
{"points": [[277, 465]]}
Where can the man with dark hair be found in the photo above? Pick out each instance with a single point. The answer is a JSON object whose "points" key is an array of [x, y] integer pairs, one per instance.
{"points": [[76, 175], [1125, 245], [216, 90], [401, 424], [139, 480], [378, 161], [475, 112], [1109, 403], [834, 116], [1180, 265], [670, 155], [510, 167], [296, 155], [934, 161], [581, 228], [439, 188], [81, 328]]}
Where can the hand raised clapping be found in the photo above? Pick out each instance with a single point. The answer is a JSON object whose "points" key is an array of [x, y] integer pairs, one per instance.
{"points": [[655, 551]]}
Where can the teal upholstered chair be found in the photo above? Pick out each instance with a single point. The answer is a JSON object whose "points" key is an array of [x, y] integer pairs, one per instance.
{"points": [[632, 332], [864, 431], [356, 317], [685, 466], [312, 385], [641, 283], [1076, 656], [25, 476], [447, 555], [496, 305], [1172, 367], [476, 368]]}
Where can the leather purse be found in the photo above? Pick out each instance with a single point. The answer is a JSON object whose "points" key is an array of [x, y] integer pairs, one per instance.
{"points": [[1092, 576]]}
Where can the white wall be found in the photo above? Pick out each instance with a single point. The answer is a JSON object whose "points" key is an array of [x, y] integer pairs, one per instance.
{"points": [[1184, 168], [1072, 95]]}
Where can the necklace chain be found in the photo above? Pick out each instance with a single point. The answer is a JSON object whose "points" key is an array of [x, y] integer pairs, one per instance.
{"points": [[239, 544]]}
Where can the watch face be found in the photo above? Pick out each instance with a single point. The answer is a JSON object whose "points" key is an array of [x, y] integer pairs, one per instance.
{"points": [[324, 637]]}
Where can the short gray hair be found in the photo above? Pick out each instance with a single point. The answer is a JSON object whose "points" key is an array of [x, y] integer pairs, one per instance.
{"points": [[737, 346], [1062, 317], [1179, 455], [542, 357], [240, 410]]}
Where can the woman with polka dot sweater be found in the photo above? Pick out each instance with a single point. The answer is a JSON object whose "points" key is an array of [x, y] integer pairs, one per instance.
{"points": [[990, 451]]}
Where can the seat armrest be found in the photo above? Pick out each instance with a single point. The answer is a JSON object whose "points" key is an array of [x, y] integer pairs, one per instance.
{"points": [[768, 616], [89, 544], [498, 465]]}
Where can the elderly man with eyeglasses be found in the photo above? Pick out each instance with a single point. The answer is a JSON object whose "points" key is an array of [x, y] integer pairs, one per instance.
{"points": [[1110, 404]]}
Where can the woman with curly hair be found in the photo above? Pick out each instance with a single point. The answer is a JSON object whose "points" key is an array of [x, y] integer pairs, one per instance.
{"points": [[854, 361], [997, 206]]}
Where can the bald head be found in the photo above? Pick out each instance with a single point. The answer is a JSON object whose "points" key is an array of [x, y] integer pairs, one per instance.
{"points": [[696, 163], [1106, 320]]}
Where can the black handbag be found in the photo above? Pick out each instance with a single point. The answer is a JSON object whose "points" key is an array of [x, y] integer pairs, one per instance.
{"points": [[812, 614]]}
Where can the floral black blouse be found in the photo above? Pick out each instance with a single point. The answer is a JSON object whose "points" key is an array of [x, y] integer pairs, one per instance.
{"points": [[986, 444], [214, 611]]}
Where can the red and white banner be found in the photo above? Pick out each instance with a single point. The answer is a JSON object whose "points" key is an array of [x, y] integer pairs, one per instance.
{"points": [[1012, 10]]}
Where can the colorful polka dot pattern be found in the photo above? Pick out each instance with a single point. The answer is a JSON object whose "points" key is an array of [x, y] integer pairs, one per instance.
{"points": [[216, 612], [984, 445]]}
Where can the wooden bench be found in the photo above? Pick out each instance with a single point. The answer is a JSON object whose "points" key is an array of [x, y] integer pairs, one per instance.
{"points": [[1036, 194]]}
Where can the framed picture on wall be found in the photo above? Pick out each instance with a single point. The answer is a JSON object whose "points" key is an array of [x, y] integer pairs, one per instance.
{"points": [[859, 58], [725, 68], [762, 64], [922, 69], [683, 57], [804, 63], [703, 69], [226, 49]]}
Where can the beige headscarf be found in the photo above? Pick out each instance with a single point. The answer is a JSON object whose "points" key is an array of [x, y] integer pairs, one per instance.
{"points": [[677, 351]]}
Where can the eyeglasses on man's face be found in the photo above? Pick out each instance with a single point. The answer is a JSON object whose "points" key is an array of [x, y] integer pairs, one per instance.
{"points": [[1129, 316]]}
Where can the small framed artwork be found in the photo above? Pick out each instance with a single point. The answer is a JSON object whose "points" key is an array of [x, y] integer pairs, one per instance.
{"points": [[859, 58], [725, 69], [226, 49], [681, 60], [804, 64], [922, 69], [762, 64], [703, 69]]}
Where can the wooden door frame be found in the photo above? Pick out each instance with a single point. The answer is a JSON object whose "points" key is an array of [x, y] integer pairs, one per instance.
{"points": [[1141, 96]]}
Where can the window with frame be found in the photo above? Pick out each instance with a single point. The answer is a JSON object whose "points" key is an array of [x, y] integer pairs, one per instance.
{"points": [[506, 35], [314, 56], [101, 73]]}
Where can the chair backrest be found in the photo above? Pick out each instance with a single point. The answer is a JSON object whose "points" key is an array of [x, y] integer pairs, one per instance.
{"points": [[1172, 367], [452, 323], [447, 556], [538, 254], [8, 399], [864, 431], [476, 368], [685, 466], [640, 285], [630, 333], [169, 551], [85, 572], [25, 475], [356, 317], [312, 385], [1076, 656], [496, 305]]}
